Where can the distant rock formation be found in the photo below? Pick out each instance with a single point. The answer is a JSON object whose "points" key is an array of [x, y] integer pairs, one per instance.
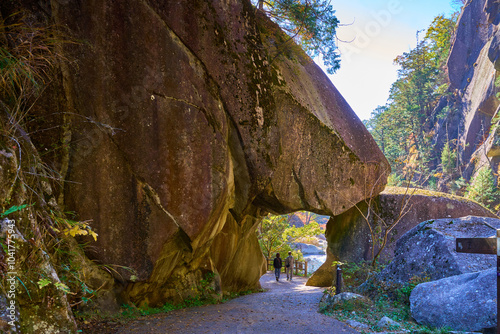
{"points": [[299, 221], [296, 221], [472, 70], [307, 249]]}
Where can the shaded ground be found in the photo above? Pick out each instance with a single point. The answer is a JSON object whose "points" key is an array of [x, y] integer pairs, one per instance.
{"points": [[288, 307]]}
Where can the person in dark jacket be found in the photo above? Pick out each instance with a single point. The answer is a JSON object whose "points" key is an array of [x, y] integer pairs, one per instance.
{"points": [[289, 266], [277, 264]]}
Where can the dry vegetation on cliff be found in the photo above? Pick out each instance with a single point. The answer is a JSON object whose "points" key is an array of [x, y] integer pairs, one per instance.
{"points": [[40, 257]]}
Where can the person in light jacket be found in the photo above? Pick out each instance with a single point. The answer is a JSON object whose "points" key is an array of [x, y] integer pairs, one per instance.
{"points": [[277, 264], [289, 266]]}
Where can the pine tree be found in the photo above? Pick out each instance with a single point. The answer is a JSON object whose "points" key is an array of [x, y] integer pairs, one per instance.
{"points": [[482, 188], [310, 23], [448, 158]]}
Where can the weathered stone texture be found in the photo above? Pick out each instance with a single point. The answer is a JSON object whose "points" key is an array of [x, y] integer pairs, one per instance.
{"points": [[428, 250], [470, 39], [325, 275], [328, 302], [462, 303], [472, 70]]}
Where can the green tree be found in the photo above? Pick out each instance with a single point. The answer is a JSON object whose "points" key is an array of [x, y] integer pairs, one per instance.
{"points": [[403, 128], [482, 188], [292, 233], [275, 234], [311, 23], [378, 126], [440, 34], [270, 234], [448, 159]]}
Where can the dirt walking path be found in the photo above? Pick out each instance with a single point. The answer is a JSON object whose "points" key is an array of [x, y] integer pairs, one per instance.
{"points": [[285, 307]]}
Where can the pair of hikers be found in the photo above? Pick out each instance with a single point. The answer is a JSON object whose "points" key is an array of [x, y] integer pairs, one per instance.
{"points": [[277, 264]]}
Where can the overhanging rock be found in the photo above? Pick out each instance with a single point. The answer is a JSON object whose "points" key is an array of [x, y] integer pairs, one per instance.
{"points": [[213, 127]]}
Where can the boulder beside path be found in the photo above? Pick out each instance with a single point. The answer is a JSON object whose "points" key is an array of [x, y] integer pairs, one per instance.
{"points": [[428, 250], [464, 302]]}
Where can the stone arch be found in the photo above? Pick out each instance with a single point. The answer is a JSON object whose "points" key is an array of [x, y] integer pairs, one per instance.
{"points": [[212, 135]]}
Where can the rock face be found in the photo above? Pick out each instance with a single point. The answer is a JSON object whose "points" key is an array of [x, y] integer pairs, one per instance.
{"points": [[464, 302], [470, 40], [325, 275], [349, 237], [199, 120], [296, 221], [472, 69], [428, 250], [387, 322], [25, 255]]}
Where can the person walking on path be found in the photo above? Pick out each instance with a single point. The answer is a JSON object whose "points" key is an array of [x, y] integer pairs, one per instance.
{"points": [[289, 266], [277, 264]]}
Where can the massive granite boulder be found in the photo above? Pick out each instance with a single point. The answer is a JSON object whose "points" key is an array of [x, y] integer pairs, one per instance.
{"points": [[188, 121], [348, 234]]}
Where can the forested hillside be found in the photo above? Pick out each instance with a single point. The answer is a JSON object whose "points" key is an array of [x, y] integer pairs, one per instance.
{"points": [[443, 108]]}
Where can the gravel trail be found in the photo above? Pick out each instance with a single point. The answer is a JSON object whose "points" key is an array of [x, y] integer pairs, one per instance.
{"points": [[285, 307]]}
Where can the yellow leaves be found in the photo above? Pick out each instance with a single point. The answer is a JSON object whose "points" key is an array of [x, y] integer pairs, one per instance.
{"points": [[80, 230], [63, 287], [74, 228]]}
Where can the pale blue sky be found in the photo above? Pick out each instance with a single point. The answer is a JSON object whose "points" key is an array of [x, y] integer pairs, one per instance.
{"points": [[380, 31]]}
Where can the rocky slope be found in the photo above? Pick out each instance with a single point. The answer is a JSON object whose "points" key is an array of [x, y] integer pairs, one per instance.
{"points": [[181, 124]]}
